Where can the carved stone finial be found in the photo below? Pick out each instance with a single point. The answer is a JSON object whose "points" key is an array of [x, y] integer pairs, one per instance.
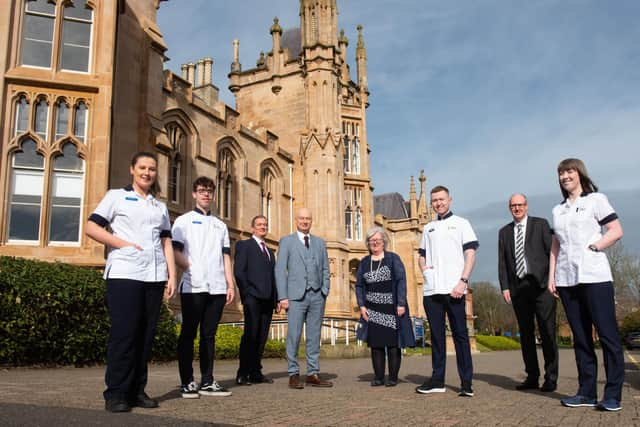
{"points": [[275, 28], [261, 61], [422, 178], [343, 38]]}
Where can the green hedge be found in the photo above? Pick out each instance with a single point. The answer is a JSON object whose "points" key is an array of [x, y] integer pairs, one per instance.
{"points": [[228, 344], [498, 343], [56, 314]]}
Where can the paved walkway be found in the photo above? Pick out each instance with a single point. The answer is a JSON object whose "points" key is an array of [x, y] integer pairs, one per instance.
{"points": [[70, 396]]}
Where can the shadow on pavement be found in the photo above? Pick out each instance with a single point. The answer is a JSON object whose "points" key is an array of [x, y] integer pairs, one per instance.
{"points": [[510, 384], [632, 375], [14, 414]]}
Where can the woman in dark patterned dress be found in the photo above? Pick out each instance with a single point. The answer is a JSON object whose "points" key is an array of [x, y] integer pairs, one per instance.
{"points": [[381, 290]]}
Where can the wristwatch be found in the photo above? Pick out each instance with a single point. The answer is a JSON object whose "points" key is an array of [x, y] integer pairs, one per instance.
{"points": [[593, 248], [465, 280]]}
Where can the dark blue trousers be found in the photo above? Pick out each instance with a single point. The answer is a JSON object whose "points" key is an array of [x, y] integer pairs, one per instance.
{"points": [[588, 305], [436, 306], [257, 320], [134, 309]]}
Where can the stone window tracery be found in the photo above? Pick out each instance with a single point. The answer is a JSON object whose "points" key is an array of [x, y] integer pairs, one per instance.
{"points": [[46, 176]]}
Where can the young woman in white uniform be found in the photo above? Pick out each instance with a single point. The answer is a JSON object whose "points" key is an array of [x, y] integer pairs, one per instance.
{"points": [[579, 273], [139, 270]]}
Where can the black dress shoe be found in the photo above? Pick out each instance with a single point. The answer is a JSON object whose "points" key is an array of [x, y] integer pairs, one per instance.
{"points": [[117, 405], [143, 400], [528, 385], [260, 379], [391, 383], [377, 383], [548, 387], [243, 380]]}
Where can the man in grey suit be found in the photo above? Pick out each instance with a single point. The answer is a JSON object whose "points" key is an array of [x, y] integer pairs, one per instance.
{"points": [[302, 281]]}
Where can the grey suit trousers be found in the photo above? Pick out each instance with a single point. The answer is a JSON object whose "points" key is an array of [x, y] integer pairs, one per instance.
{"points": [[309, 310]]}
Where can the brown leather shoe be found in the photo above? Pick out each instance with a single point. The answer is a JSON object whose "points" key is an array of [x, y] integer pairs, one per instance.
{"points": [[294, 381], [315, 381]]}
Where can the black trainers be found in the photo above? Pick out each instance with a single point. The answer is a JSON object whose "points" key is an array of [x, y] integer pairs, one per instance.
{"points": [[213, 389], [431, 387], [190, 391], [466, 390]]}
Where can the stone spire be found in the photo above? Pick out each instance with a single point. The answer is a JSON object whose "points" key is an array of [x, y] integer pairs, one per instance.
{"points": [[235, 65], [423, 212], [236, 68], [413, 203], [361, 61], [343, 43]]}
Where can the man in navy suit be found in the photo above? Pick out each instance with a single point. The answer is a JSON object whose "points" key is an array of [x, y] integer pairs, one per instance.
{"points": [[523, 265], [254, 272]]}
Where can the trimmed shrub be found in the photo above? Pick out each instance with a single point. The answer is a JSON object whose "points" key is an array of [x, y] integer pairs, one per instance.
{"points": [[228, 344], [56, 314], [630, 324], [497, 343]]}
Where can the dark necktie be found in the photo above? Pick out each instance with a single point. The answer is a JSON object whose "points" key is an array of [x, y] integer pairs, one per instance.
{"points": [[306, 241], [264, 250], [519, 252]]}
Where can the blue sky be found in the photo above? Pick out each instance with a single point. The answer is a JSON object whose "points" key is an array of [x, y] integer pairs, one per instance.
{"points": [[486, 96]]}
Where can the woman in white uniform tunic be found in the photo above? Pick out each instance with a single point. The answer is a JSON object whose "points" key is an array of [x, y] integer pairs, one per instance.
{"points": [[579, 273], [139, 270]]}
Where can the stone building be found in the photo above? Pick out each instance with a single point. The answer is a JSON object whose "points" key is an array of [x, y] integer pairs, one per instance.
{"points": [[83, 87]]}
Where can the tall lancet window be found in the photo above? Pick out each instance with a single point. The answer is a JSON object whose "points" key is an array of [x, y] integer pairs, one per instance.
{"points": [[266, 193], [225, 183], [177, 139]]}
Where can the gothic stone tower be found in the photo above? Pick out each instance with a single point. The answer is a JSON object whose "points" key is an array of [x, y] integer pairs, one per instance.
{"points": [[302, 91]]}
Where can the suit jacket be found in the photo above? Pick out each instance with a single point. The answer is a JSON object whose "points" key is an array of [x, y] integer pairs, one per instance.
{"points": [[537, 246], [254, 272], [291, 272]]}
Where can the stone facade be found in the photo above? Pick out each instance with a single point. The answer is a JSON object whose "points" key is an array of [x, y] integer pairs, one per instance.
{"points": [[296, 137]]}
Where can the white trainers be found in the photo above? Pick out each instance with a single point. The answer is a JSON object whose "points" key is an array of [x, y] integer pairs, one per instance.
{"points": [[213, 389]]}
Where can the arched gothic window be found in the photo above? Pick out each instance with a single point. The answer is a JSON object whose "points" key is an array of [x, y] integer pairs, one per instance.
{"points": [[40, 122], [267, 192], [347, 154], [67, 187], [25, 197], [225, 182], [62, 119], [22, 115], [177, 139], [353, 212], [355, 167], [80, 121]]}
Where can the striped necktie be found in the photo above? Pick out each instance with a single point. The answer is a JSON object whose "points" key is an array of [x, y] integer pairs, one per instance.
{"points": [[519, 252]]}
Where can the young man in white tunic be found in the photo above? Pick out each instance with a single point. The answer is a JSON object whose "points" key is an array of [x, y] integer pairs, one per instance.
{"points": [[202, 250], [447, 256]]}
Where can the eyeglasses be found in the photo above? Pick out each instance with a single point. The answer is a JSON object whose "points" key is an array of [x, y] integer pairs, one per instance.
{"points": [[517, 205], [204, 191], [375, 241]]}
